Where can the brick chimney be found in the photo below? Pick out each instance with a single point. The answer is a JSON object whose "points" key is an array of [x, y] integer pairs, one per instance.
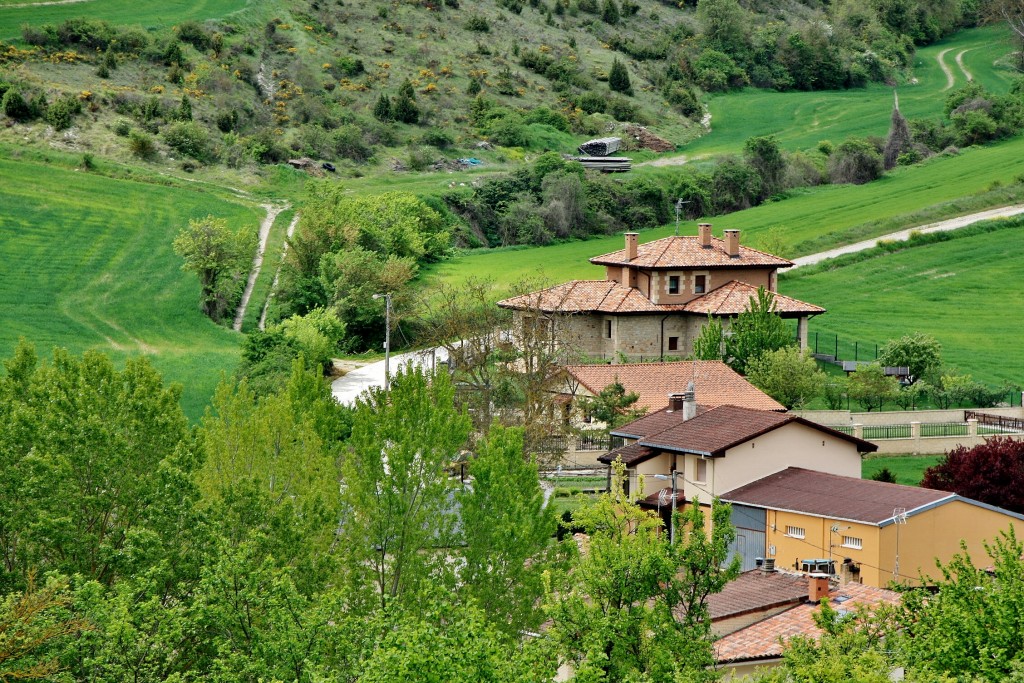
{"points": [[631, 245], [675, 402], [732, 243], [685, 402], [704, 230], [817, 587]]}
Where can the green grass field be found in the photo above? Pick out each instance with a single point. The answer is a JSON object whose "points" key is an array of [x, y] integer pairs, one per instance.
{"points": [[909, 469], [14, 13], [964, 292], [89, 265]]}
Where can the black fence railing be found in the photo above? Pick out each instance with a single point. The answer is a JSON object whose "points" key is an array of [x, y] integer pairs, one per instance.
{"points": [[1010, 424], [836, 348]]}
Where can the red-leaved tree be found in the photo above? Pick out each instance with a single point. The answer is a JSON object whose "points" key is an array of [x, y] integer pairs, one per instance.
{"points": [[992, 473]]}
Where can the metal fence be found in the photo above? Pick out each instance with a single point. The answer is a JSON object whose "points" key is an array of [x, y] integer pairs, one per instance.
{"points": [[838, 348]]}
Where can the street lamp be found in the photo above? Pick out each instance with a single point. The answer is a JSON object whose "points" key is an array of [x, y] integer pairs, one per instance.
{"points": [[387, 338], [672, 526]]}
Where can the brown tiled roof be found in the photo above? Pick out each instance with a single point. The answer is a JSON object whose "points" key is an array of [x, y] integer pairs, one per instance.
{"points": [[588, 296], [717, 430], [765, 639], [686, 252], [833, 496], [754, 591], [632, 454], [733, 298], [715, 383]]}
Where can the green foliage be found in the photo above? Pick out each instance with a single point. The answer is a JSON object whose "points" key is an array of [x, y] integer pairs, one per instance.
{"points": [[382, 109], [613, 406], [633, 607], [396, 493], [220, 258], [316, 335], [506, 530], [190, 139], [871, 387], [855, 161], [404, 107], [610, 12], [922, 353], [34, 623], [884, 474], [618, 78], [755, 331], [708, 344], [61, 114], [141, 145], [15, 107], [788, 375], [765, 156]]}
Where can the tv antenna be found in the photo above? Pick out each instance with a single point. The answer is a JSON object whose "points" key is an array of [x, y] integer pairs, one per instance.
{"points": [[679, 207]]}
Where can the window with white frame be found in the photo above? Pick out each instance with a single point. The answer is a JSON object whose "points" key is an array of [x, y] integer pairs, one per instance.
{"points": [[796, 531], [853, 542]]}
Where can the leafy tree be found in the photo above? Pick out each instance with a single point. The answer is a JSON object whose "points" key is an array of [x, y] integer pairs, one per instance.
{"points": [[950, 389], [633, 606], [506, 530], [219, 256], [724, 25], [618, 78], [33, 624], [382, 109], [871, 387], [316, 335], [755, 331], [855, 161], [765, 156], [96, 465], [708, 344], [15, 106], [404, 108], [921, 353], [990, 472], [396, 495], [788, 375], [614, 406], [908, 397], [834, 392]]}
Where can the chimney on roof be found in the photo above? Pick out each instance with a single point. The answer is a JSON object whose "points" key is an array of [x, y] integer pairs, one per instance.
{"points": [[817, 587], [684, 401], [732, 243], [704, 230], [768, 565], [631, 245]]}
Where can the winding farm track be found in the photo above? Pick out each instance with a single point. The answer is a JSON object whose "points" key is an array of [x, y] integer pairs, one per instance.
{"points": [[960, 63], [24, 5], [257, 261], [950, 79]]}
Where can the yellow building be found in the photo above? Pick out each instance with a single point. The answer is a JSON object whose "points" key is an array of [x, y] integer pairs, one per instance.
{"points": [[872, 532]]}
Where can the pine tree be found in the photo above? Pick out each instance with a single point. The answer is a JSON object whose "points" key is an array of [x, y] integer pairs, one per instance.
{"points": [[405, 109], [185, 109], [382, 110], [618, 78], [610, 12]]}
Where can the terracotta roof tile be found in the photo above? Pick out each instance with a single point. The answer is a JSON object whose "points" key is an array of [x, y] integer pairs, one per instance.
{"points": [[715, 383], [756, 590], [733, 298], [765, 639], [588, 296], [833, 496], [686, 252], [632, 454]]}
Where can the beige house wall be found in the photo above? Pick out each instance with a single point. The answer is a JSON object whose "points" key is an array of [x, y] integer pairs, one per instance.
{"points": [[792, 445], [654, 283]]}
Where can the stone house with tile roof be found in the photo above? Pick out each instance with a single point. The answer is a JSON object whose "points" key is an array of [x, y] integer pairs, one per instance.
{"points": [[871, 531], [655, 297]]}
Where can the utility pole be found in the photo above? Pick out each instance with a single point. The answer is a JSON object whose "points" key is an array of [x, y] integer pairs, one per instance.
{"points": [[679, 207], [387, 338]]}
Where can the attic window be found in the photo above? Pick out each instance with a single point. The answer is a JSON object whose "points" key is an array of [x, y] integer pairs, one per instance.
{"points": [[796, 531], [700, 283], [853, 542], [673, 284]]}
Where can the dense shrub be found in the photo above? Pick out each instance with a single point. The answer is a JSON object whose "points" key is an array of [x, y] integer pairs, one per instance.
{"points": [[61, 113], [193, 33], [618, 78], [477, 23], [15, 106], [437, 137], [141, 145], [349, 144], [855, 161], [191, 139]]}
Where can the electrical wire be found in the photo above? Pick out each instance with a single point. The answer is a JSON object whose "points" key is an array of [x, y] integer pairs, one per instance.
{"points": [[881, 569]]}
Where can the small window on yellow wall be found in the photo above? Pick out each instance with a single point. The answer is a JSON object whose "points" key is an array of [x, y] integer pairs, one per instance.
{"points": [[700, 283], [673, 284], [702, 470], [796, 531], [853, 542]]}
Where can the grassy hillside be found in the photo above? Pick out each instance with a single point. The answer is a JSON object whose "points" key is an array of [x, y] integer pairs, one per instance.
{"points": [[89, 265], [964, 292]]}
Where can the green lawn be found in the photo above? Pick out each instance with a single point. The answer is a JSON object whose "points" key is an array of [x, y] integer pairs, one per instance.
{"points": [[909, 469], [148, 13], [965, 292], [88, 264]]}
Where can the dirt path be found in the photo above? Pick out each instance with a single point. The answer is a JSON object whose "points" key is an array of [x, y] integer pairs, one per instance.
{"points": [[22, 5], [941, 57], [257, 261], [960, 63], [277, 273], [904, 235]]}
